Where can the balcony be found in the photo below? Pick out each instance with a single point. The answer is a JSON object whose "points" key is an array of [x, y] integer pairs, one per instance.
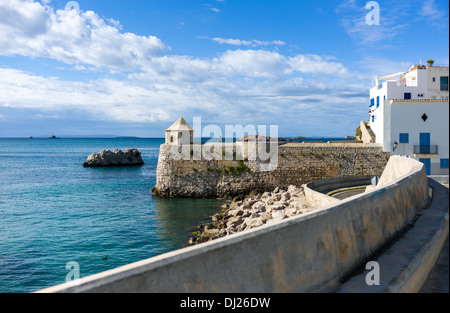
{"points": [[425, 150]]}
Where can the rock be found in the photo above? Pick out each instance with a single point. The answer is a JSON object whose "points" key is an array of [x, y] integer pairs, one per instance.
{"points": [[258, 205], [291, 212], [265, 217], [211, 232], [251, 202], [276, 207], [254, 210], [216, 217], [286, 196], [270, 201], [202, 239], [279, 215], [108, 158], [235, 222], [256, 223], [241, 227]]}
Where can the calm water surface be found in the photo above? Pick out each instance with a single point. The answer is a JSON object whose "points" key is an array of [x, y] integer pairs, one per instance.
{"points": [[54, 211]]}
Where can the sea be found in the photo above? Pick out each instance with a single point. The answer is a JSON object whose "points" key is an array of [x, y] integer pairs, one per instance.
{"points": [[55, 213]]}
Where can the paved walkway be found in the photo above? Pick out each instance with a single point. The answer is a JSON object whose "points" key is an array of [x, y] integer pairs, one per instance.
{"points": [[438, 281]]}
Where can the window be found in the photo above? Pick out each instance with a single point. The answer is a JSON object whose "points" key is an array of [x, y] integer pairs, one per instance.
{"points": [[434, 79], [372, 102], [444, 163], [373, 118], [444, 83], [420, 95], [407, 96], [427, 163], [378, 101], [404, 138]]}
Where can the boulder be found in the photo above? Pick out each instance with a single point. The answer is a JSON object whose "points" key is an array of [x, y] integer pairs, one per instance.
{"points": [[116, 158]]}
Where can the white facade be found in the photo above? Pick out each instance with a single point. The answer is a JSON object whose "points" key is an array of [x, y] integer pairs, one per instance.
{"points": [[409, 115], [180, 133]]}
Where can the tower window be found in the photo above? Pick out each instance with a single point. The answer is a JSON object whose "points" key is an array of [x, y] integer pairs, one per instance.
{"points": [[404, 138], [444, 83]]}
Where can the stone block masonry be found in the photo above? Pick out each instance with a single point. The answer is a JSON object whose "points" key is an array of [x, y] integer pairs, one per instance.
{"points": [[298, 163]]}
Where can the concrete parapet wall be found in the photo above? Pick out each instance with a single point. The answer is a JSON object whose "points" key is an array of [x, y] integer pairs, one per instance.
{"points": [[307, 253], [315, 192], [407, 263]]}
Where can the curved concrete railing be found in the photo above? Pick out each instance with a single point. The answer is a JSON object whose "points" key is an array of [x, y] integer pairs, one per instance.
{"points": [[307, 253], [315, 192]]}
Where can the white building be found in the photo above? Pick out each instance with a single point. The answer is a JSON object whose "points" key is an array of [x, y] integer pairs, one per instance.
{"points": [[409, 115], [180, 133]]}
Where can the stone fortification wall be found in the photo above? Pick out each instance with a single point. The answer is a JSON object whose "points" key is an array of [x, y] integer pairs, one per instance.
{"points": [[367, 136], [297, 164]]}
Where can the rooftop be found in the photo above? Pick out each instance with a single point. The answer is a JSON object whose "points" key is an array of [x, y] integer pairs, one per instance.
{"points": [[181, 124]]}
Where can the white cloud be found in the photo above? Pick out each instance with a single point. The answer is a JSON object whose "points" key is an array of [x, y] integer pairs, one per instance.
{"points": [[353, 19], [435, 14], [235, 86], [31, 29], [314, 64], [251, 43], [215, 10], [430, 10]]}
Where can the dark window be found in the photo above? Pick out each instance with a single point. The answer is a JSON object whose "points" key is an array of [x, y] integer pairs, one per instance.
{"points": [[372, 102], [427, 163], [444, 83], [378, 101], [434, 79], [407, 96], [444, 163], [404, 138]]}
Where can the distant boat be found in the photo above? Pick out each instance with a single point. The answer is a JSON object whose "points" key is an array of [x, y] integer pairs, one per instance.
{"points": [[53, 137]]}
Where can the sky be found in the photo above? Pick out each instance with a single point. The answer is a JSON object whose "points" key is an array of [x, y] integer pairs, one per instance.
{"points": [[132, 68]]}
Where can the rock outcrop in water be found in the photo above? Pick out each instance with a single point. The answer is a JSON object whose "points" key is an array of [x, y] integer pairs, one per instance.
{"points": [[116, 158]]}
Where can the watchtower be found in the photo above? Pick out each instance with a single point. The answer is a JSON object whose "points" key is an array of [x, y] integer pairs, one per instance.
{"points": [[180, 133]]}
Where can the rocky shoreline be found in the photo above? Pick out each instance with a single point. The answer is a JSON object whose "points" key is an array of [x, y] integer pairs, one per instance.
{"points": [[255, 210]]}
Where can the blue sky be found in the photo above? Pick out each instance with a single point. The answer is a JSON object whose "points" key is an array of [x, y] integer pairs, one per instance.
{"points": [[132, 68]]}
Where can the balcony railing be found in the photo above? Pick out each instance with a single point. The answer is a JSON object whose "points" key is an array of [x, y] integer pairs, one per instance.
{"points": [[426, 149]]}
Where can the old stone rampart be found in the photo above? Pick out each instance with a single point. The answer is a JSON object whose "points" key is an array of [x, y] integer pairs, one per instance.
{"points": [[297, 164]]}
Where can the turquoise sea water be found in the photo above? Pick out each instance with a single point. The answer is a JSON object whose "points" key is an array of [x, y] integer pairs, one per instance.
{"points": [[54, 211]]}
